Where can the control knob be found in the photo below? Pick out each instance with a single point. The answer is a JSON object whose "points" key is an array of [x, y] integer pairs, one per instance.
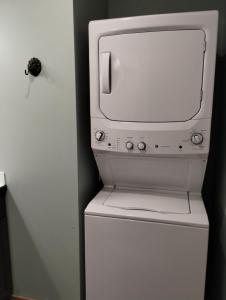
{"points": [[99, 135], [197, 138], [129, 145], [141, 146]]}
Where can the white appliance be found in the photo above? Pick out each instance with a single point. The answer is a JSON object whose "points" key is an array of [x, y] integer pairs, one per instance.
{"points": [[151, 87]]}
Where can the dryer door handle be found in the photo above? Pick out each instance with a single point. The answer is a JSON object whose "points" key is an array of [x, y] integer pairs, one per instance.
{"points": [[105, 72]]}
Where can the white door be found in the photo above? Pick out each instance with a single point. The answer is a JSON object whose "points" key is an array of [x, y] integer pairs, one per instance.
{"points": [[151, 76], [132, 260]]}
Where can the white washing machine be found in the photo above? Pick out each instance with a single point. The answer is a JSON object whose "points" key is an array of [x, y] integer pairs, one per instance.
{"points": [[151, 87]]}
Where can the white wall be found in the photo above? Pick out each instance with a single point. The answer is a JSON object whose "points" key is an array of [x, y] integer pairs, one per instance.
{"points": [[38, 147]]}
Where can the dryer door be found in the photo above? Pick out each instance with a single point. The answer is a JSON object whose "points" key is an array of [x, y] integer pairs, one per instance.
{"points": [[151, 76]]}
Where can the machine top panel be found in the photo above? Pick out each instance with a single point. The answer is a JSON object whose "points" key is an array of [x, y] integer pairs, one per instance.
{"points": [[196, 217], [153, 76], [162, 202]]}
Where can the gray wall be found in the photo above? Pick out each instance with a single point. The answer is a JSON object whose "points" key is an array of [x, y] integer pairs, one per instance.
{"points": [[88, 177], [45, 149], [117, 8], [38, 150], [214, 190]]}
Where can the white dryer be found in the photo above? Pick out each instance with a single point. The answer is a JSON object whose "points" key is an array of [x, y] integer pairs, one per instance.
{"points": [[151, 90]]}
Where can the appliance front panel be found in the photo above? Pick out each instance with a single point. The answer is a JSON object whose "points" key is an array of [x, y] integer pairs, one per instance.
{"points": [[151, 76], [127, 259], [147, 172]]}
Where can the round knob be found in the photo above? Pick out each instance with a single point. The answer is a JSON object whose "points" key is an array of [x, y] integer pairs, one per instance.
{"points": [[141, 146], [197, 138], [99, 135], [129, 145]]}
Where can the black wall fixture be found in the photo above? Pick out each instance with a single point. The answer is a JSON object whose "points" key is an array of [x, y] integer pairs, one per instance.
{"points": [[34, 67]]}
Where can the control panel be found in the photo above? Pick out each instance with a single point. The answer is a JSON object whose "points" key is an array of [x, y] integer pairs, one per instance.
{"points": [[189, 140]]}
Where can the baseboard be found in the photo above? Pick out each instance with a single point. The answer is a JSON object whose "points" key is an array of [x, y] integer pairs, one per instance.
{"points": [[14, 297]]}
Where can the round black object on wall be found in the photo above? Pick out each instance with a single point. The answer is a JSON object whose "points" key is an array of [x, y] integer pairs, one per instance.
{"points": [[34, 67]]}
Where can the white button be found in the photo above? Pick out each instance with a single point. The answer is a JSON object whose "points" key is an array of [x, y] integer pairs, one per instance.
{"points": [[129, 145], [141, 146]]}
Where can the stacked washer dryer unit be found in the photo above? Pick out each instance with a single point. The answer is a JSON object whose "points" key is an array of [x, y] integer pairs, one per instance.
{"points": [[151, 85]]}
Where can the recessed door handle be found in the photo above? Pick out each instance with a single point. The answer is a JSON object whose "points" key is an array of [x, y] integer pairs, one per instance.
{"points": [[105, 72]]}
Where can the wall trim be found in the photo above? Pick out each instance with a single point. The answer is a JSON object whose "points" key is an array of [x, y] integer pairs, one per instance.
{"points": [[14, 297]]}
